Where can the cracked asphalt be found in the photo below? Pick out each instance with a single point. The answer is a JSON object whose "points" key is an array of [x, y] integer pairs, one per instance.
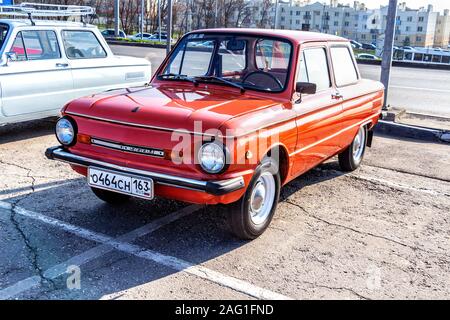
{"points": [[381, 232]]}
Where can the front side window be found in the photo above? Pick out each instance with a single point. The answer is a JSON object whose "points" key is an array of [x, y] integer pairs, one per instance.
{"points": [[82, 45], [314, 68], [244, 61], [36, 45], [3, 34], [344, 68]]}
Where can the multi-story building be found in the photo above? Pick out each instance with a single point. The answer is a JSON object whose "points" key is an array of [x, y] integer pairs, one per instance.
{"points": [[415, 27], [442, 34]]}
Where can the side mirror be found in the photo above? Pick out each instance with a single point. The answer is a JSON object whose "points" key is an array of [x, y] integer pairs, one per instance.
{"points": [[305, 87], [11, 56]]}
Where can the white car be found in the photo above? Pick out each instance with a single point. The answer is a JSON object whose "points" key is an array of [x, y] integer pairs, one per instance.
{"points": [[45, 64], [137, 36], [366, 56]]}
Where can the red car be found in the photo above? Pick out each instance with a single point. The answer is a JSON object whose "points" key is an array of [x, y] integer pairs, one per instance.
{"points": [[230, 117]]}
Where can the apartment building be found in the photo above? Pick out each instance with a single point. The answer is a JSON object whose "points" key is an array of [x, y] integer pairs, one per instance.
{"points": [[442, 34], [415, 27]]}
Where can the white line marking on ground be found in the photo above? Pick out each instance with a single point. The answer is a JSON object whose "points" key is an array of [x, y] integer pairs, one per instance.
{"points": [[91, 254], [420, 89], [166, 260], [396, 185]]}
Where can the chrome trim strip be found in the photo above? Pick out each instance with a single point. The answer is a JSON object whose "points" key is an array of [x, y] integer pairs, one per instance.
{"points": [[146, 151], [360, 123]]}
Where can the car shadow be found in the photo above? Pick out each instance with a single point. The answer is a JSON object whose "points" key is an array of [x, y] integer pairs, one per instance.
{"points": [[26, 130], [197, 238]]}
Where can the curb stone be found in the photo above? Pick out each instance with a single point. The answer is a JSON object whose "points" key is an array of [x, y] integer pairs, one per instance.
{"points": [[413, 132]]}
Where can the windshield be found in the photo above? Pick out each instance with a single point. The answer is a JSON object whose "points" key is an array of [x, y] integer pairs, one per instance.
{"points": [[248, 62], [3, 33]]}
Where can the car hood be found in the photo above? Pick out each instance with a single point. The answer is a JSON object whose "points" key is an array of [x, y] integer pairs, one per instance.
{"points": [[169, 107]]}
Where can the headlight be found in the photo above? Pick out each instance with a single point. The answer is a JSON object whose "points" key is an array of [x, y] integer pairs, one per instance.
{"points": [[212, 157], [65, 131]]}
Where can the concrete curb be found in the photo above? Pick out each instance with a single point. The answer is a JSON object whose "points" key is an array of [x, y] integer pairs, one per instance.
{"points": [[412, 132]]}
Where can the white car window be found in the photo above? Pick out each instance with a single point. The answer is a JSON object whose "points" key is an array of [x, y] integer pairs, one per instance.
{"points": [[36, 45], [82, 45]]}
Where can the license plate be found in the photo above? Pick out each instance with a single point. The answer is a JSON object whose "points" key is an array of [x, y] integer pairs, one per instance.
{"points": [[119, 182]]}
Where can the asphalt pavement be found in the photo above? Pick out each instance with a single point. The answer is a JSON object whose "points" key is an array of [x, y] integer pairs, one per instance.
{"points": [[424, 91], [379, 232]]}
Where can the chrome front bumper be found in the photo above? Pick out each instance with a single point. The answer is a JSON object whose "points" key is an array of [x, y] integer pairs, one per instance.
{"points": [[216, 188]]}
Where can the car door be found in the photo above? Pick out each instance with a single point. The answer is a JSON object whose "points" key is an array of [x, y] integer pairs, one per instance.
{"points": [[318, 115], [39, 79], [357, 98], [94, 68]]}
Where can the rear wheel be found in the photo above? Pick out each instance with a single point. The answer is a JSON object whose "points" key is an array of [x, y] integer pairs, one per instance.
{"points": [[110, 197], [251, 215], [351, 158]]}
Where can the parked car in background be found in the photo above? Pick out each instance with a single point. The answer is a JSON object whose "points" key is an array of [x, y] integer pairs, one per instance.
{"points": [[355, 44], [366, 56], [45, 64], [111, 34], [139, 36], [230, 122], [369, 46], [156, 37]]}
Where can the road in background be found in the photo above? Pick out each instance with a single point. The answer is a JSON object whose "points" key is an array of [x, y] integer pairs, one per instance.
{"points": [[417, 90]]}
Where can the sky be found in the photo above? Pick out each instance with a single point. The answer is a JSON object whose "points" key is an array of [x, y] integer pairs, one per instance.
{"points": [[438, 5]]}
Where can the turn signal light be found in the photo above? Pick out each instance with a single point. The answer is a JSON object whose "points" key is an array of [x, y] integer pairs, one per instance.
{"points": [[84, 138]]}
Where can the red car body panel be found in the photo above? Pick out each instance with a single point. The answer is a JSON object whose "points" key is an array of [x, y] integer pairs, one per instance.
{"points": [[307, 133]]}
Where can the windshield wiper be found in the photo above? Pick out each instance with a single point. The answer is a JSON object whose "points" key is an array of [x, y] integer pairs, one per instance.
{"points": [[221, 80], [182, 77]]}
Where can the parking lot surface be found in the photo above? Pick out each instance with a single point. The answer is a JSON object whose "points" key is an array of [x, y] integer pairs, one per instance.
{"points": [[382, 231]]}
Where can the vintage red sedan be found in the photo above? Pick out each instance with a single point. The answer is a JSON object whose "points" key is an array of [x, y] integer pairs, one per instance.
{"points": [[230, 117]]}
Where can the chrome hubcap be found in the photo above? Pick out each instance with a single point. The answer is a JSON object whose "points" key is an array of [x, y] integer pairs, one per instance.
{"points": [[359, 144], [262, 197]]}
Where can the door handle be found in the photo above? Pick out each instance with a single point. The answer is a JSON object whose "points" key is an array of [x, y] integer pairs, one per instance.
{"points": [[337, 96], [62, 65]]}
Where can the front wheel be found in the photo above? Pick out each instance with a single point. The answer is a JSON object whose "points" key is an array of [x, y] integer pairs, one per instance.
{"points": [[252, 214], [351, 158]]}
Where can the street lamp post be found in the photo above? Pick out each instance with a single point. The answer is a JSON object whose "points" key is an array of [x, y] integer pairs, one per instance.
{"points": [[116, 18], [386, 62], [159, 20], [142, 18], [276, 14], [169, 26]]}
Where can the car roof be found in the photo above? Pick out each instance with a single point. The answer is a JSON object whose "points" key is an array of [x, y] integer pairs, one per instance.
{"points": [[45, 23], [293, 35]]}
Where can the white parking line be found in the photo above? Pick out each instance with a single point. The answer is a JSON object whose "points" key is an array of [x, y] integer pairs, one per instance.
{"points": [[166, 260], [91, 254]]}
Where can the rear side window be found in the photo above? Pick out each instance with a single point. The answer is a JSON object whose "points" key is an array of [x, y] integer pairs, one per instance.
{"points": [[82, 45], [344, 68], [314, 68], [36, 45]]}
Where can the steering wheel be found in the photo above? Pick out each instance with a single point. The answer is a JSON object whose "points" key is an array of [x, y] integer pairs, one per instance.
{"points": [[263, 73], [73, 52]]}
